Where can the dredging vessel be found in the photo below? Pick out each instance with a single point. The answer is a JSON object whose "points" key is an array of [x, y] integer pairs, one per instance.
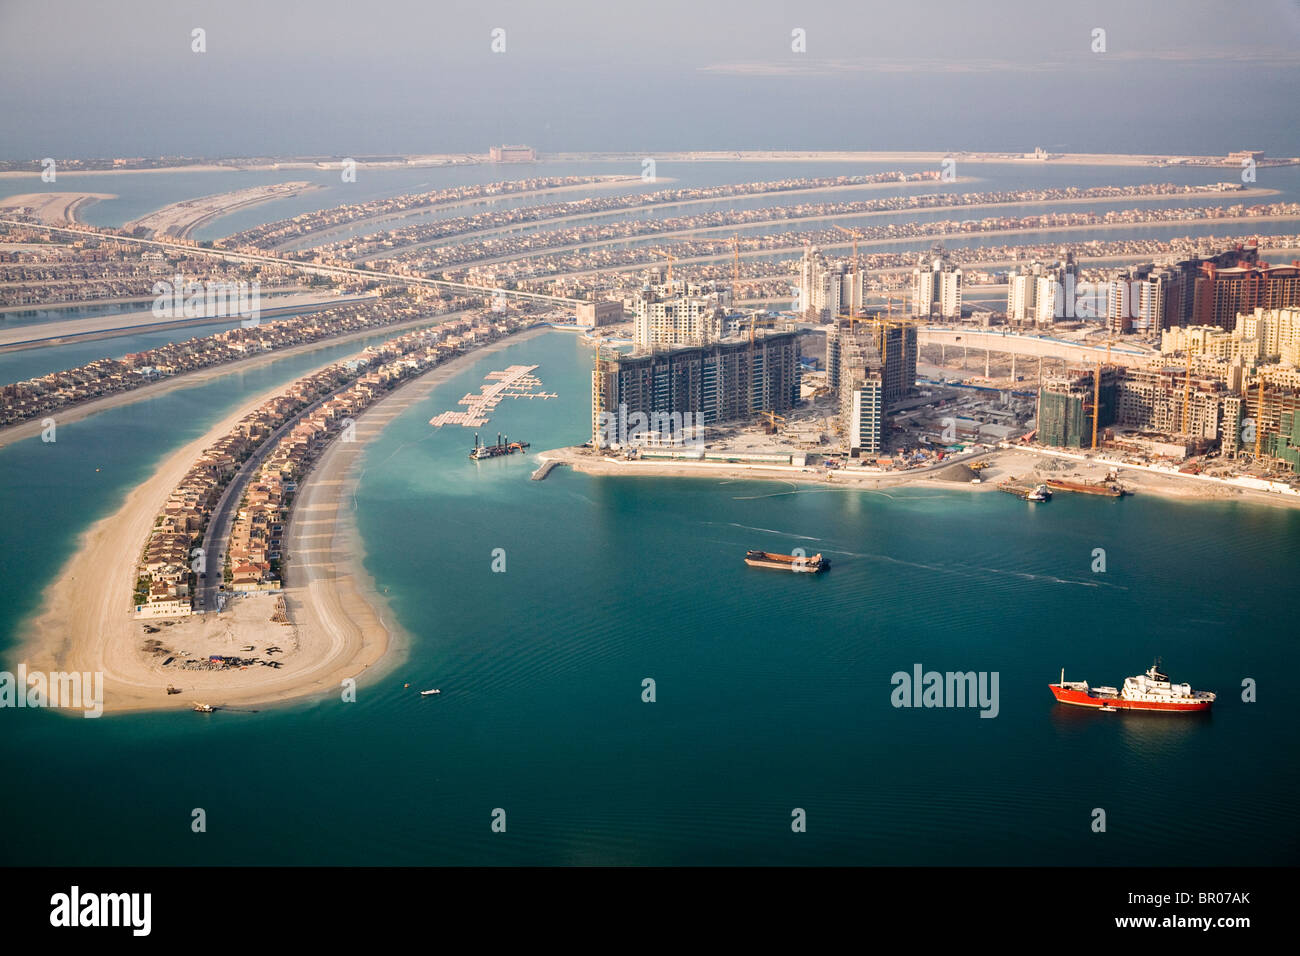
{"points": [[787, 562], [503, 447], [1149, 691]]}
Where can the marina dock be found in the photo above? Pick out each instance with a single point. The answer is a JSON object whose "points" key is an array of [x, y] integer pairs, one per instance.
{"points": [[517, 381]]}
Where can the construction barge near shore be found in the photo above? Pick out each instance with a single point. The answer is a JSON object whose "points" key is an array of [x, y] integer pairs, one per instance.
{"points": [[1084, 488], [1039, 492], [503, 447]]}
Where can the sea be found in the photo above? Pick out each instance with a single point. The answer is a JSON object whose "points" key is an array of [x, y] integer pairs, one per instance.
{"points": [[550, 612], [618, 687]]}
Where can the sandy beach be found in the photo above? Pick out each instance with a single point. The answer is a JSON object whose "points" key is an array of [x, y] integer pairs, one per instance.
{"points": [[180, 219], [55, 208], [340, 625]]}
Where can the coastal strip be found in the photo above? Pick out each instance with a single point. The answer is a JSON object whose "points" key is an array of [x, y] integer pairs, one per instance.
{"points": [[1004, 464], [342, 627], [179, 219], [408, 161], [54, 208]]}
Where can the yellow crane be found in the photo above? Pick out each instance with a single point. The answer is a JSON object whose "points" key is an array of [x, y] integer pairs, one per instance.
{"points": [[1187, 386], [735, 286], [856, 286], [599, 391], [772, 418], [1259, 419], [1096, 393], [1096, 402], [671, 259]]}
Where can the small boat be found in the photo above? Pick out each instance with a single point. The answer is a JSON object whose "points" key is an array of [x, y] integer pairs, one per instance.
{"points": [[429, 693], [1107, 708], [203, 708]]}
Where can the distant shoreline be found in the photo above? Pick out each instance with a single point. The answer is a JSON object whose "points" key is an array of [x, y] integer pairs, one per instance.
{"points": [[924, 157]]}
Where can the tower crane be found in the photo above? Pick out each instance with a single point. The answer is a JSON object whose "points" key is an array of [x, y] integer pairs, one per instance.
{"points": [[671, 259], [856, 290]]}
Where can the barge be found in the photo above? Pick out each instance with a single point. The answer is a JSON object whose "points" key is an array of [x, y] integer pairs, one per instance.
{"points": [[503, 447], [787, 562], [1038, 492], [1084, 488]]}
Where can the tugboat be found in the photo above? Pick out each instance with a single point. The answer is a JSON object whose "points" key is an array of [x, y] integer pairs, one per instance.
{"points": [[1039, 493], [1150, 691], [787, 562]]}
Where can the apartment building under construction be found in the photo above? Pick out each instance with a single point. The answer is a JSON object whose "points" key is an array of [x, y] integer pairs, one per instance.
{"points": [[1066, 407], [720, 382], [882, 346]]}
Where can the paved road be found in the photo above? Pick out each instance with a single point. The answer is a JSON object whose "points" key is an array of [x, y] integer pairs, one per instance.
{"points": [[223, 515]]}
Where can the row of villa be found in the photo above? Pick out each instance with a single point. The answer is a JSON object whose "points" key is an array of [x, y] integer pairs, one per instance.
{"points": [[48, 394], [172, 559]]}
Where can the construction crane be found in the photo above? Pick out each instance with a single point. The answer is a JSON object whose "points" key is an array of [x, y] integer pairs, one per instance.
{"points": [[599, 390], [671, 259], [1096, 393], [1259, 419], [735, 285], [855, 290], [1096, 402], [772, 418], [1187, 386]]}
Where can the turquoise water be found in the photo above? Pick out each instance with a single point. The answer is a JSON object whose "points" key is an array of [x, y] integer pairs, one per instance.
{"points": [[773, 692]]}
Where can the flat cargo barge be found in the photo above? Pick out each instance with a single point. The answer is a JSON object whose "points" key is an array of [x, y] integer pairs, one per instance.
{"points": [[787, 562], [1083, 488]]}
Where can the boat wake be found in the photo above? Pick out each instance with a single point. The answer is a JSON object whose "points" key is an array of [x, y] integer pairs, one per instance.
{"points": [[784, 534]]}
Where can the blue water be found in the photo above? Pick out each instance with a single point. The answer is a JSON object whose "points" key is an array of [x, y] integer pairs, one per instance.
{"points": [[773, 692]]}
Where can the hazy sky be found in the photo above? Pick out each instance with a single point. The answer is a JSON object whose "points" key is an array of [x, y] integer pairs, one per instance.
{"points": [[119, 78]]}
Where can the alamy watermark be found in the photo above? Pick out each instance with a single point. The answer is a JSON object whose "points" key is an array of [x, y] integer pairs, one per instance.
{"points": [[656, 429], [922, 688], [191, 299], [75, 690]]}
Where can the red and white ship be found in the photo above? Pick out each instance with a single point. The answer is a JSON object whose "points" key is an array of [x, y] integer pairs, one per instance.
{"points": [[1151, 691]]}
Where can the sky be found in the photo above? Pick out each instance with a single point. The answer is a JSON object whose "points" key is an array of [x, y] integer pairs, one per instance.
{"points": [[88, 78]]}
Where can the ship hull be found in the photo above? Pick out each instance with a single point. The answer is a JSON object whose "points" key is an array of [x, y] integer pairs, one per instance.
{"points": [[787, 562], [1078, 698], [784, 566], [1100, 490]]}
